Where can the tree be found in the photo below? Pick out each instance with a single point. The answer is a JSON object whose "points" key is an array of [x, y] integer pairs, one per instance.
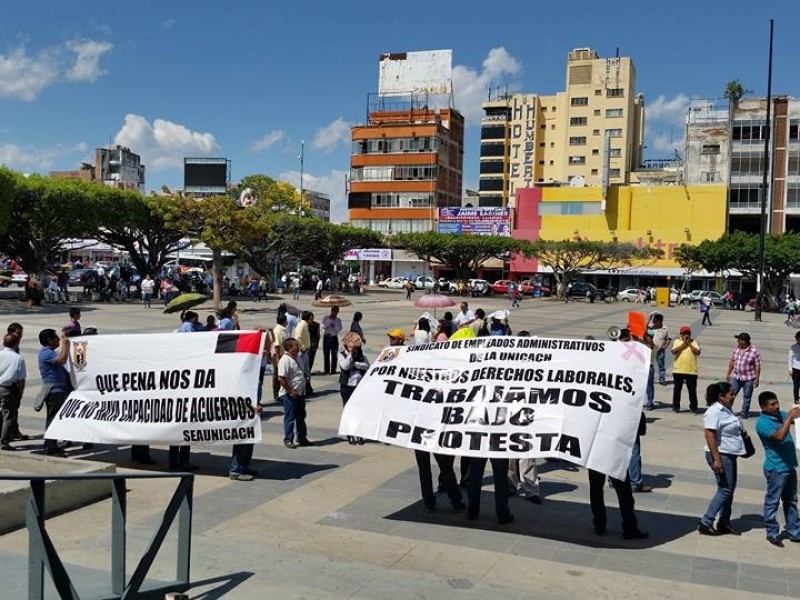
{"points": [[134, 223], [272, 195], [740, 252], [734, 90], [215, 221], [568, 257], [43, 214], [463, 254]]}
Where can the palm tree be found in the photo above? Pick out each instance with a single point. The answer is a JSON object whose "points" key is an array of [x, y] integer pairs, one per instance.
{"points": [[734, 90]]}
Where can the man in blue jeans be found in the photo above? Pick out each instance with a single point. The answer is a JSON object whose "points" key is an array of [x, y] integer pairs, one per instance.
{"points": [[293, 396], [744, 370], [780, 467]]}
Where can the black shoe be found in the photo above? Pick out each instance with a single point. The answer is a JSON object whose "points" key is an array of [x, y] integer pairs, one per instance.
{"points": [[536, 499], [8, 448], [506, 519], [351, 440], [775, 541], [20, 437], [290, 445], [309, 442], [430, 507], [706, 530], [635, 534], [727, 530], [58, 453], [360, 441], [187, 467]]}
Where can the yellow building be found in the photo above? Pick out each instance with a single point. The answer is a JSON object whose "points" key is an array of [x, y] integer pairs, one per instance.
{"points": [[662, 217], [593, 129]]}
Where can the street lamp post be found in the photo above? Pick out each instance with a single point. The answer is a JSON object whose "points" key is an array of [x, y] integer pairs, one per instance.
{"points": [[764, 183], [302, 160]]}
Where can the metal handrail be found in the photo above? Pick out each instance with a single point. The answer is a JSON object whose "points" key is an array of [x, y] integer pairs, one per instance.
{"points": [[42, 554]]}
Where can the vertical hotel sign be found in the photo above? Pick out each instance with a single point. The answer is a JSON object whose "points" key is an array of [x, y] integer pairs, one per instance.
{"points": [[523, 129]]}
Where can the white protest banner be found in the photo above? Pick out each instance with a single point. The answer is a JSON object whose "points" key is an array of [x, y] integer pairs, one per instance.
{"points": [[506, 397], [162, 388]]}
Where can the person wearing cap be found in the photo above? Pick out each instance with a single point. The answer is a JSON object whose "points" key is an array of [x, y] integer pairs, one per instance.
{"points": [[685, 350], [397, 337], [744, 370]]}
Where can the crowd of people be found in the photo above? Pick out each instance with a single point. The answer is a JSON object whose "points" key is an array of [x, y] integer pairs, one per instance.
{"points": [[290, 351]]}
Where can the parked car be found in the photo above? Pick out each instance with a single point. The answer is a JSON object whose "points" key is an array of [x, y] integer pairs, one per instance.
{"points": [[395, 283], [479, 287], [580, 289], [632, 295], [423, 282], [19, 278], [693, 297], [500, 286], [529, 287], [75, 276], [445, 285]]}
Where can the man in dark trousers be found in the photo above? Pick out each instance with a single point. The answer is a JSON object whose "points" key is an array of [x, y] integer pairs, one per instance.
{"points": [[500, 476]]}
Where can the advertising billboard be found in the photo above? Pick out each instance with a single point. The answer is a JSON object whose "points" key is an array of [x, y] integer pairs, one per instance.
{"points": [[427, 72], [486, 220], [208, 175]]}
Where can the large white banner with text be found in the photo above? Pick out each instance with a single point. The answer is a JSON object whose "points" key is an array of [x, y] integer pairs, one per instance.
{"points": [[162, 388], [507, 397]]}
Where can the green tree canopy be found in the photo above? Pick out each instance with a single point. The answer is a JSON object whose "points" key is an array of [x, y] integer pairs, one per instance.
{"points": [[734, 90], [43, 214], [463, 254], [567, 258], [739, 251], [271, 195]]}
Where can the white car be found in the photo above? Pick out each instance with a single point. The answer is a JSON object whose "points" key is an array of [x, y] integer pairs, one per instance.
{"points": [[423, 282], [395, 283], [632, 295], [19, 278]]}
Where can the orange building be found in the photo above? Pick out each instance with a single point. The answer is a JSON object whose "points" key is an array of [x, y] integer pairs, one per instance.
{"points": [[405, 163]]}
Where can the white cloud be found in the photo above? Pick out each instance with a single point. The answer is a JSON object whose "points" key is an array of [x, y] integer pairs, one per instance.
{"points": [[329, 137], [470, 86], [267, 141], [33, 159], [667, 143], [25, 76], [331, 184], [167, 23], [668, 110], [87, 60], [163, 144]]}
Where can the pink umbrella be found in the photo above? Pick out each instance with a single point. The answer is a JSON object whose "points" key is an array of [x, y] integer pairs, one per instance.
{"points": [[434, 301]]}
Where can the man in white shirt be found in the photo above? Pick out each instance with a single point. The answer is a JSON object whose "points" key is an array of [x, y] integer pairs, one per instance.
{"points": [[147, 285], [12, 384], [293, 395], [465, 317]]}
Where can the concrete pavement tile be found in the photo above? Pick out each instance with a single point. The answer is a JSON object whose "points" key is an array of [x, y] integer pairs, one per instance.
{"points": [[713, 578], [575, 556], [763, 586], [621, 561], [714, 565], [427, 556]]}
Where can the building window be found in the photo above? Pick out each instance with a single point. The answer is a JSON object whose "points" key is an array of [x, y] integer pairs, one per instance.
{"points": [[596, 112], [552, 127], [615, 93], [594, 171], [570, 208], [551, 163], [544, 109], [578, 120], [580, 101], [541, 144], [709, 149], [553, 109], [613, 112], [710, 176], [543, 127], [595, 132], [744, 197], [613, 172], [493, 132], [749, 131], [577, 160], [492, 166], [552, 144], [595, 152], [541, 162], [615, 152], [598, 92], [493, 149], [395, 145], [614, 133], [394, 173], [794, 130], [577, 140]]}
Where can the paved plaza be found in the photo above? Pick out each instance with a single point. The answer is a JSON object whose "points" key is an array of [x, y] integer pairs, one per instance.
{"points": [[342, 521]]}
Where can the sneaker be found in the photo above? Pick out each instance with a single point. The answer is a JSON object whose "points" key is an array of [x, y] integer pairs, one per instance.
{"points": [[642, 489], [241, 477], [290, 445], [706, 530], [636, 534], [727, 530]]}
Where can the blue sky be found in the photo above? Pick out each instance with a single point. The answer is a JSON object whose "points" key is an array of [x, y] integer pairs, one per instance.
{"points": [[249, 80]]}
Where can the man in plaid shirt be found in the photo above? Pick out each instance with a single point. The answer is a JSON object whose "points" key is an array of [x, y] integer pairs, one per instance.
{"points": [[744, 370]]}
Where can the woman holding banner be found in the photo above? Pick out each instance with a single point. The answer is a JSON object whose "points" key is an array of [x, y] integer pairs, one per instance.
{"points": [[724, 444]]}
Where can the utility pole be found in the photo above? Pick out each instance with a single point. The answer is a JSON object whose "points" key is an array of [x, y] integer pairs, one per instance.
{"points": [[764, 182]]}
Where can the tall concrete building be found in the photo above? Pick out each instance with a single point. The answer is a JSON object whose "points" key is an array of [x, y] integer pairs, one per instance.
{"points": [[405, 163], [590, 134], [725, 144], [115, 166]]}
